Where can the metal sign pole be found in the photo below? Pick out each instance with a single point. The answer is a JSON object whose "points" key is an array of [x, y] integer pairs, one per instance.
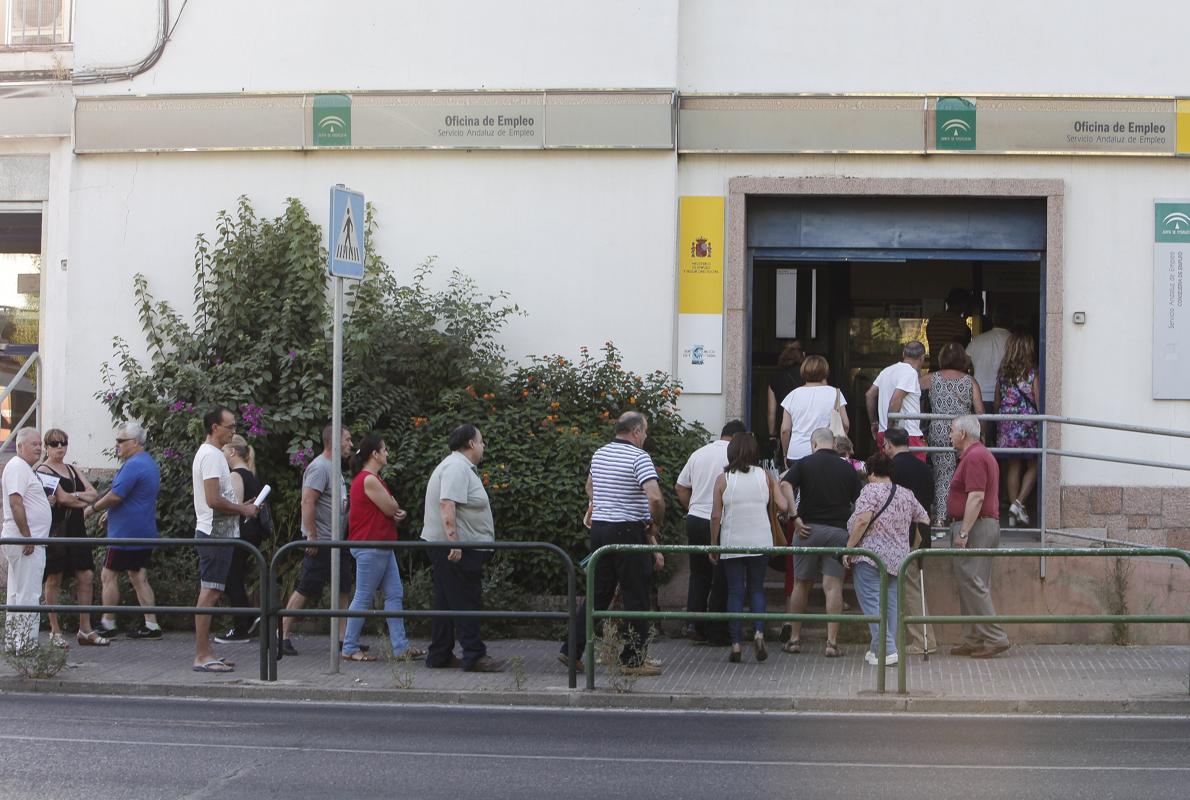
{"points": [[345, 260], [336, 468]]}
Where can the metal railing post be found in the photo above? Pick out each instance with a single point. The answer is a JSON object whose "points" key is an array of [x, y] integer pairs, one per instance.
{"points": [[881, 630], [902, 628], [589, 619], [1042, 494]]}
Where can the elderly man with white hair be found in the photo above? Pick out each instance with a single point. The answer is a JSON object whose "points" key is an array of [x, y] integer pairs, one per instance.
{"points": [[27, 514], [973, 507], [131, 506]]}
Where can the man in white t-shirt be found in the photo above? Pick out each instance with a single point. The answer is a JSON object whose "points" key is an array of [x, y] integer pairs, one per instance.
{"points": [[987, 351], [695, 487], [897, 389], [27, 514], [217, 517]]}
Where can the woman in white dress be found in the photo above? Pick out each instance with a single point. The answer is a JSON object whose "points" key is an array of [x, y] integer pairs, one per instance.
{"points": [[739, 518], [808, 408]]}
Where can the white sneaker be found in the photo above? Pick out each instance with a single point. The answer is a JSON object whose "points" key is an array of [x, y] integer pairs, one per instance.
{"points": [[889, 660], [1017, 510]]}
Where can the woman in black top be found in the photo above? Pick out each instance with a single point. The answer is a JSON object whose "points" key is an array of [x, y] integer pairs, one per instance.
{"points": [[241, 459], [67, 520]]}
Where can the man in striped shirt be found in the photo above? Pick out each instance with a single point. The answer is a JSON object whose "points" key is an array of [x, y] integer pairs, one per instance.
{"points": [[626, 508]]}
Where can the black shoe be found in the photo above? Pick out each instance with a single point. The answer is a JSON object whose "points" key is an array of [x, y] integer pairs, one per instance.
{"points": [[452, 663], [145, 632], [253, 627], [231, 637], [286, 648], [107, 633], [486, 664]]}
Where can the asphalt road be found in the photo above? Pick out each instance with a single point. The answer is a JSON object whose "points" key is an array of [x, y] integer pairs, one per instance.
{"points": [[54, 746]]}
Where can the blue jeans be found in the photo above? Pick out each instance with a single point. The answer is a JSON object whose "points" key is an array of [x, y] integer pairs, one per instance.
{"points": [[867, 587], [740, 571], [376, 569]]}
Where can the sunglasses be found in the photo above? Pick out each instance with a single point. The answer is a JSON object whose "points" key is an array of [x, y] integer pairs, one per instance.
{"points": [[56, 443], [121, 441]]}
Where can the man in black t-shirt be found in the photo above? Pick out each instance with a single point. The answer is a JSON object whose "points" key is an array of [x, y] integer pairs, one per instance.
{"points": [[828, 486], [910, 472]]}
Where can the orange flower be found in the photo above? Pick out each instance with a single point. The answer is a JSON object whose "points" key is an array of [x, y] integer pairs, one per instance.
{"points": [[605, 414], [632, 400], [555, 404], [524, 393]]}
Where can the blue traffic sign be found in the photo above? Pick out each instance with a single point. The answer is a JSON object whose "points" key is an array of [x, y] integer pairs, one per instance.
{"points": [[345, 252]]}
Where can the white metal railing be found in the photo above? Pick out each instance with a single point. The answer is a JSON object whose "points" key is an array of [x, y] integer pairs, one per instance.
{"points": [[1044, 451], [35, 406], [31, 23]]}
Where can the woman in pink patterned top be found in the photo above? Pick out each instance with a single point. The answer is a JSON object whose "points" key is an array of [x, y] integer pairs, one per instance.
{"points": [[882, 522]]}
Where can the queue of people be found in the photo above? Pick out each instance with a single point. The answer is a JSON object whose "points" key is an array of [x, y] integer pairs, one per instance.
{"points": [[826, 497], [44, 497]]}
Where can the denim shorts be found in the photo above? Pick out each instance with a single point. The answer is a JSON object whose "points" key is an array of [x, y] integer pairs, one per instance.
{"points": [[214, 563]]}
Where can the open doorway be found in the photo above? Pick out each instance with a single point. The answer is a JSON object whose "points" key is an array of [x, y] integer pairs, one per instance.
{"points": [[854, 277], [20, 304], [858, 314]]}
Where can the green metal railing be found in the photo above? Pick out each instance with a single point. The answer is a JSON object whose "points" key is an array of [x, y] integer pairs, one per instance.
{"points": [[263, 610], [272, 620], [905, 620], [592, 614]]}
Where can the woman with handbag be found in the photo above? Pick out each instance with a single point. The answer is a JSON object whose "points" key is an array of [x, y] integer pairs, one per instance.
{"points": [[1017, 393], [954, 392], [882, 520], [741, 516], [814, 405]]}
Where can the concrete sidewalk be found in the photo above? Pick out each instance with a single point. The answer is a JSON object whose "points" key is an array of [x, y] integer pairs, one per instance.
{"points": [[1028, 678]]}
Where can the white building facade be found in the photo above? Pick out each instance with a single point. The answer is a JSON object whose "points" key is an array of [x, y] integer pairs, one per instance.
{"points": [[549, 148]]}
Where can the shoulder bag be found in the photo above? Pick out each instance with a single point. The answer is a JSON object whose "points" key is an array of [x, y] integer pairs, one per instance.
{"points": [[836, 424], [775, 527]]}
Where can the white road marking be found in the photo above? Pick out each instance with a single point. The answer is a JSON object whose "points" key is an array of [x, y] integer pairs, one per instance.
{"points": [[722, 762]]}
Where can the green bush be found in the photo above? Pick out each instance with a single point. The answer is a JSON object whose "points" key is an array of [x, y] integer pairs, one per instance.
{"points": [[417, 363]]}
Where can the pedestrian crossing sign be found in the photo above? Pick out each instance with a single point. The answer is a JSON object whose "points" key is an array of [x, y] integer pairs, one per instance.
{"points": [[345, 252]]}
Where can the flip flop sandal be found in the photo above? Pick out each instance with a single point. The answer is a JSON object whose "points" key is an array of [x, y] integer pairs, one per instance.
{"points": [[413, 653], [358, 656], [792, 646], [832, 650], [214, 665], [226, 662]]}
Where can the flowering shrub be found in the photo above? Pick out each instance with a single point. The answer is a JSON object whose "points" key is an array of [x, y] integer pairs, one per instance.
{"points": [[541, 423], [417, 363]]}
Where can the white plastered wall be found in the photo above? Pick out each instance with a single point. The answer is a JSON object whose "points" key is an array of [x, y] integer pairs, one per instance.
{"points": [[582, 241]]}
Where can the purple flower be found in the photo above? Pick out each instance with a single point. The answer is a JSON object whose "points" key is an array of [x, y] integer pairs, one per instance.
{"points": [[301, 458], [174, 408], [292, 354]]}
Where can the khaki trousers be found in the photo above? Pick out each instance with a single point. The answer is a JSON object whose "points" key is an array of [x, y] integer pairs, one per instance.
{"points": [[974, 576]]}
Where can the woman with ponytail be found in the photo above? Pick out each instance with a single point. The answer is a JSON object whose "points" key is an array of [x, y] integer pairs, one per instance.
{"points": [[373, 515], [241, 460]]}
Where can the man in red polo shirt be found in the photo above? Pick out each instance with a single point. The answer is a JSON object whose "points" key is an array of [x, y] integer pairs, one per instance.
{"points": [[973, 506]]}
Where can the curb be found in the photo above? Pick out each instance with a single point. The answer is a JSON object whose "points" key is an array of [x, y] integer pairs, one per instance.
{"points": [[867, 702]]}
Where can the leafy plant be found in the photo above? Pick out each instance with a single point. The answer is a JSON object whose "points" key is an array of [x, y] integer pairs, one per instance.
{"points": [[418, 362]]}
